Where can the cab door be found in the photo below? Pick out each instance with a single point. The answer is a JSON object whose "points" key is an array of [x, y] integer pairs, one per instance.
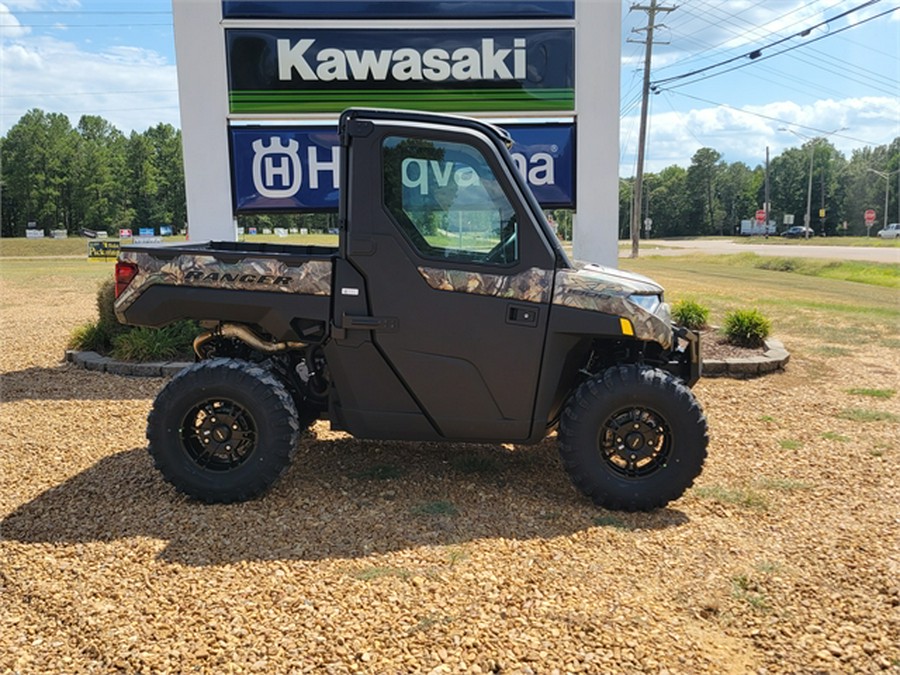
{"points": [[457, 272]]}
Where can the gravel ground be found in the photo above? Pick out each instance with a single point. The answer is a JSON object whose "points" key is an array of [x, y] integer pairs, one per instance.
{"points": [[398, 557]]}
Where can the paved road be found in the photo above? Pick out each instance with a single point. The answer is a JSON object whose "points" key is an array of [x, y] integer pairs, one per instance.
{"points": [[684, 246]]}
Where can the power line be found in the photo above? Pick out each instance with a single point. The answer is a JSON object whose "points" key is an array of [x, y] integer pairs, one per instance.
{"points": [[728, 16], [720, 17], [755, 55], [759, 58], [749, 54]]}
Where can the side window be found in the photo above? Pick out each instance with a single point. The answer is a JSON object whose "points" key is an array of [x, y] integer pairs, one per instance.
{"points": [[446, 199]]}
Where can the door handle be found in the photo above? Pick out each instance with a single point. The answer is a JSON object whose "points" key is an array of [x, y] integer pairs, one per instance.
{"points": [[387, 323], [522, 315]]}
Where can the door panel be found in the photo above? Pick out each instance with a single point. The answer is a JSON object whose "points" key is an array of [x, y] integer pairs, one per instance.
{"points": [[444, 206]]}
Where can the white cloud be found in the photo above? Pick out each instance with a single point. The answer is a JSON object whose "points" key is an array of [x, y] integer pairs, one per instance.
{"points": [[135, 56], [742, 135], [131, 87], [23, 5], [42, 5], [10, 27]]}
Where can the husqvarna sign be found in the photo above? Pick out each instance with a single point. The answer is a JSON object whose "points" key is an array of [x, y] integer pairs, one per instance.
{"points": [[325, 71], [297, 169]]}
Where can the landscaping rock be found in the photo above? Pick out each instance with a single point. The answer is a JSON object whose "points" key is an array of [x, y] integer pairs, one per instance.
{"points": [[384, 557]]}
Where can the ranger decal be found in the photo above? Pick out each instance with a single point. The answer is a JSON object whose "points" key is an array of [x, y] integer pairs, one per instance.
{"points": [[312, 277]]}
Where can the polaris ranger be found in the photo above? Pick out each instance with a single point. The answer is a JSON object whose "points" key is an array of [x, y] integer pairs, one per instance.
{"points": [[447, 312]]}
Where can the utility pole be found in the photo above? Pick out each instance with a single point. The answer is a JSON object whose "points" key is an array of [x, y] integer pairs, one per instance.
{"points": [[822, 208], [766, 198], [651, 10]]}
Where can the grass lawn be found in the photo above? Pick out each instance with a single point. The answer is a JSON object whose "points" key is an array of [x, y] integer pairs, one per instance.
{"points": [[849, 314], [821, 241]]}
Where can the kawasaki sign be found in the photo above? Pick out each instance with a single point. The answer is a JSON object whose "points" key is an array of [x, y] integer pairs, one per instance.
{"points": [[283, 71]]}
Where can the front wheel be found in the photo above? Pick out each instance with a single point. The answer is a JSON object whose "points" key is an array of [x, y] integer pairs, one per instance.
{"points": [[223, 430], [633, 438]]}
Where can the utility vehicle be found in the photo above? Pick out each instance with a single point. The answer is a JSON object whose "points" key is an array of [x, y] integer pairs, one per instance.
{"points": [[447, 312]]}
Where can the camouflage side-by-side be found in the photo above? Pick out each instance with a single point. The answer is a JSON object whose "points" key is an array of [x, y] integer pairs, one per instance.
{"points": [[590, 287], [312, 277]]}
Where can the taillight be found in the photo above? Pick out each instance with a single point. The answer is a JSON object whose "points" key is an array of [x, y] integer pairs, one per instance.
{"points": [[125, 272]]}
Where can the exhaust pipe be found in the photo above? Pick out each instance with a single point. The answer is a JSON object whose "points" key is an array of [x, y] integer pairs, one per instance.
{"points": [[245, 335]]}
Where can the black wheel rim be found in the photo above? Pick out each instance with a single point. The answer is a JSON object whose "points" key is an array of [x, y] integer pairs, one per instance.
{"points": [[635, 442], [218, 434]]}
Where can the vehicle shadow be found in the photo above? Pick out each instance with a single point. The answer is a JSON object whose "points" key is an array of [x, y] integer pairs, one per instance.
{"points": [[42, 383], [341, 498]]}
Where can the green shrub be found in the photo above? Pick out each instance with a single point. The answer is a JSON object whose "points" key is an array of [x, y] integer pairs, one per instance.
{"points": [[172, 342], [90, 338], [746, 328], [690, 314], [98, 335], [108, 323], [109, 337]]}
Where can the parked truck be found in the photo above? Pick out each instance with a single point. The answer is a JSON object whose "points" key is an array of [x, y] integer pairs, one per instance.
{"points": [[448, 311], [750, 228]]}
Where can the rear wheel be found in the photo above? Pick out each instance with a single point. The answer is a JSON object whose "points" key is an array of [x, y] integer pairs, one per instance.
{"points": [[223, 430], [633, 438]]}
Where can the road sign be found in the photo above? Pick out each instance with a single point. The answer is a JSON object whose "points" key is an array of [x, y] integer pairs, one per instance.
{"points": [[870, 215], [761, 216]]}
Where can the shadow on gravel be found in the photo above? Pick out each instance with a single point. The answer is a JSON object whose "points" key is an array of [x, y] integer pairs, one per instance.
{"points": [[340, 499], [68, 383]]}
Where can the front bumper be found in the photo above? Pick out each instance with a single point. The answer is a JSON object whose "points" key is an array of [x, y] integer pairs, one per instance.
{"points": [[684, 361]]}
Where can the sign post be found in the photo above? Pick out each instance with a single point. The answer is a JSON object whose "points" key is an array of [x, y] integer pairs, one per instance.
{"points": [[870, 219]]}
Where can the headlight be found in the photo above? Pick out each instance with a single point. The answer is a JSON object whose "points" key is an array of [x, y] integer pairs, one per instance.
{"points": [[648, 302]]}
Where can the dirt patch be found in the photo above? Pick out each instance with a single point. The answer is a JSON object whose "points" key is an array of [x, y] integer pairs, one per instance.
{"points": [[417, 557]]}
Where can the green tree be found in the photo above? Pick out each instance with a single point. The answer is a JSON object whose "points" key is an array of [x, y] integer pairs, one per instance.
{"points": [[37, 163], [788, 173], [809, 176], [155, 173], [828, 165], [169, 205], [740, 189], [98, 170], [667, 203], [864, 189], [626, 192], [142, 179], [702, 187]]}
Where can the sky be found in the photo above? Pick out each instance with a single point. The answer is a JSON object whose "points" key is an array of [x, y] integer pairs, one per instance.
{"points": [[817, 72]]}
